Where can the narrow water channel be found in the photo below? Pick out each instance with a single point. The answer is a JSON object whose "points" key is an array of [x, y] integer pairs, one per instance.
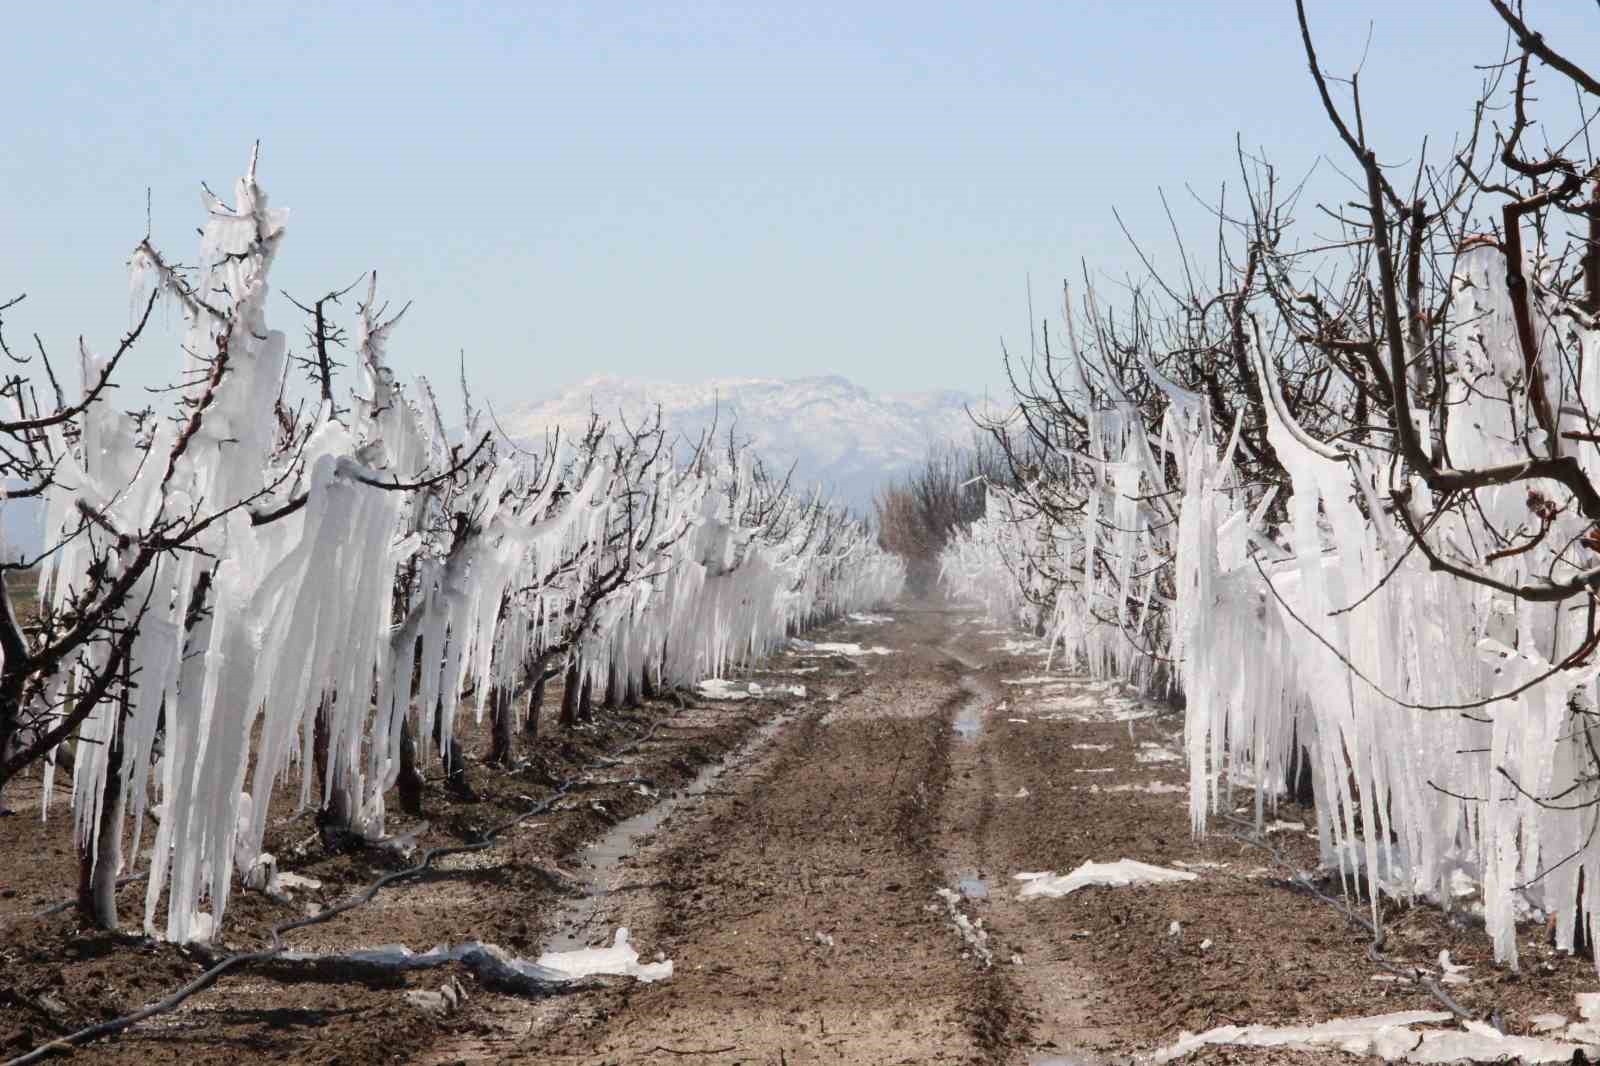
{"points": [[583, 919]]}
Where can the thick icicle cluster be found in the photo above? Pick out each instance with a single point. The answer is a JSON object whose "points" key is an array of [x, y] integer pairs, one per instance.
{"points": [[351, 572], [1450, 740]]}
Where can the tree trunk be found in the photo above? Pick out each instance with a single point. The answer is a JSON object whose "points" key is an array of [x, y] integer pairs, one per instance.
{"points": [[569, 695], [613, 697], [501, 746], [535, 701], [454, 760], [409, 785], [1297, 779], [1583, 935], [337, 810], [455, 770], [586, 700], [100, 862]]}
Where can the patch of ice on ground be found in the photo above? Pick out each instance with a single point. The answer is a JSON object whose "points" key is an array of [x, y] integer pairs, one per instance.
{"points": [[1281, 826], [719, 689], [1019, 721], [1155, 753], [447, 1000], [806, 647], [201, 927], [1397, 1037], [973, 932], [619, 959], [1089, 708], [1091, 747], [1033, 679], [1096, 770], [865, 619], [1159, 788], [1117, 874], [1454, 973], [285, 881], [1023, 647]]}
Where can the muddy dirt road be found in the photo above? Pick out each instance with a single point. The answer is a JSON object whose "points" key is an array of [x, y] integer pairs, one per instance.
{"points": [[831, 871]]}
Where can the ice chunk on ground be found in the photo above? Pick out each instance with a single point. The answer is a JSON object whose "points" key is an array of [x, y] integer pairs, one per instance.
{"points": [[201, 927], [973, 933], [807, 647], [284, 883], [1117, 874], [619, 959], [447, 1000], [1022, 647], [870, 619], [1155, 787], [1393, 1037], [719, 689], [1454, 974]]}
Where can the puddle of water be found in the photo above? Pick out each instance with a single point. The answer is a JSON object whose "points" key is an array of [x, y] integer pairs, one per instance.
{"points": [[608, 859], [971, 885], [968, 722]]}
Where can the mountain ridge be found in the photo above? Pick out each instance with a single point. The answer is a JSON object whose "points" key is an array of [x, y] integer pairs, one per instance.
{"points": [[836, 433]]}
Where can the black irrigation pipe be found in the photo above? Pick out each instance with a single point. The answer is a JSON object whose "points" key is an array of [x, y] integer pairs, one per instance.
{"points": [[1298, 878], [243, 959]]}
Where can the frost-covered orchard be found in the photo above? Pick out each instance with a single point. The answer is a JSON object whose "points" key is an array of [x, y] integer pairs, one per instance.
{"points": [[277, 576], [1342, 495]]}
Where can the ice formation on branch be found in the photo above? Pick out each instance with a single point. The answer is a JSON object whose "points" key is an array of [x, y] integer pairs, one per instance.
{"points": [[310, 587], [1448, 722]]}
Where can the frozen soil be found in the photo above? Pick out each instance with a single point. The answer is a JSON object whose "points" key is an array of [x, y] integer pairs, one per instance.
{"points": [[843, 892]]}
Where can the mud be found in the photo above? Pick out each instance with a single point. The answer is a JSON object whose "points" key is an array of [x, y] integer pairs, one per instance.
{"points": [[832, 875]]}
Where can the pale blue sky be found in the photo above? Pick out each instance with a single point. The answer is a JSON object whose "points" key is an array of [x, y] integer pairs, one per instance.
{"points": [[683, 190]]}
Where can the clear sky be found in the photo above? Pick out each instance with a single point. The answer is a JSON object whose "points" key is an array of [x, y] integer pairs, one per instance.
{"points": [[689, 189]]}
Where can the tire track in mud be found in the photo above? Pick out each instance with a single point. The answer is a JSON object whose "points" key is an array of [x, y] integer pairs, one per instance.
{"points": [[965, 820], [800, 904]]}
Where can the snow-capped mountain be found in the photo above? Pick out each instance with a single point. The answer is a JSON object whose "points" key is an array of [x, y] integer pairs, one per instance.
{"points": [[836, 433]]}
